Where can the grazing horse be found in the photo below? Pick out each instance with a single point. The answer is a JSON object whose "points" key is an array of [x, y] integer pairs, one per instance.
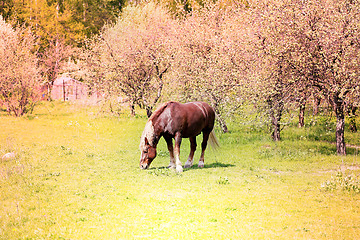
{"points": [[176, 120]]}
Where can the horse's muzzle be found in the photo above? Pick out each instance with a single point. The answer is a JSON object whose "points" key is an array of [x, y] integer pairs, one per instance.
{"points": [[144, 166]]}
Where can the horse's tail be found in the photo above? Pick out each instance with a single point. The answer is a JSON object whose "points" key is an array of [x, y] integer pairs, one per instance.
{"points": [[213, 140]]}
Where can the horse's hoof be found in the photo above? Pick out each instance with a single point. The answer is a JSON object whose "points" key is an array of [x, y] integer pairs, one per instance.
{"points": [[201, 165], [171, 166], [188, 165], [179, 169]]}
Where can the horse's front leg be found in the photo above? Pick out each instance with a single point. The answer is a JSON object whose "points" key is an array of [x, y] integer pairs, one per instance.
{"points": [[171, 151], [177, 152]]}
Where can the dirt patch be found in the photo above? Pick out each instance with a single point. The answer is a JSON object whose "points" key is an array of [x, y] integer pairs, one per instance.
{"points": [[8, 156], [342, 168], [347, 145]]}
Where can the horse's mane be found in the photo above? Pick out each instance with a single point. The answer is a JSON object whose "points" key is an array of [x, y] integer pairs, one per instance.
{"points": [[149, 128], [159, 111]]}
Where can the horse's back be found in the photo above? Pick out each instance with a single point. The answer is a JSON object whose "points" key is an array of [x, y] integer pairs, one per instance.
{"points": [[204, 110], [190, 118]]}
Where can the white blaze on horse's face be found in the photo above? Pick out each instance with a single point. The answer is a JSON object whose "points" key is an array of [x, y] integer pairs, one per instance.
{"points": [[148, 153]]}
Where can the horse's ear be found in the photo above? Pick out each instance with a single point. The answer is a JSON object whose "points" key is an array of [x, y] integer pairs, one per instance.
{"points": [[146, 141]]}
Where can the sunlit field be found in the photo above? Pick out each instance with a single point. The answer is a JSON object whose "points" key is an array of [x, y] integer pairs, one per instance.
{"points": [[76, 175]]}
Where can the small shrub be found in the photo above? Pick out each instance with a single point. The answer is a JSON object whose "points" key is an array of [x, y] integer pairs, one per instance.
{"points": [[223, 181], [66, 150], [347, 183]]}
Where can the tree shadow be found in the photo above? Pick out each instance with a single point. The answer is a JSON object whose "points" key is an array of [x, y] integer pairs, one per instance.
{"points": [[330, 149]]}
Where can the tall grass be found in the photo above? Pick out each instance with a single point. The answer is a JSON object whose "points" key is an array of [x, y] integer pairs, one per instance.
{"points": [[76, 176]]}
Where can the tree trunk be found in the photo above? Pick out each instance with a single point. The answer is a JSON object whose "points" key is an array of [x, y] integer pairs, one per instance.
{"points": [[340, 139], [223, 125], [276, 110], [276, 128], [149, 111], [340, 125], [219, 118], [132, 108], [302, 113], [64, 91], [302, 104], [276, 132], [221, 121], [317, 102]]}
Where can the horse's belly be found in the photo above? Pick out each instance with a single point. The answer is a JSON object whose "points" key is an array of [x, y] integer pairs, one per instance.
{"points": [[192, 131], [192, 134]]}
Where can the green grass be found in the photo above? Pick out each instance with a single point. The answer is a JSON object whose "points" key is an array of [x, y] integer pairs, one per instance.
{"points": [[76, 176]]}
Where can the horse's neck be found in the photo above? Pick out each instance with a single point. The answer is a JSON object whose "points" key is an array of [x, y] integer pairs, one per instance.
{"points": [[157, 132], [158, 123]]}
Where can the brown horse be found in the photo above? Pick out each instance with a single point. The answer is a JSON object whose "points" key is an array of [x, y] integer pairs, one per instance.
{"points": [[176, 120]]}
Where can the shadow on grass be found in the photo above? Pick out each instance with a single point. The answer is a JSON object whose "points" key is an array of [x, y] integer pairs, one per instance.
{"points": [[218, 165], [211, 165], [164, 170], [330, 149]]}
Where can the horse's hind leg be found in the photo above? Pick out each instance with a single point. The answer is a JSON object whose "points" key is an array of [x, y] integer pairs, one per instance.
{"points": [[203, 147], [171, 152], [190, 159]]}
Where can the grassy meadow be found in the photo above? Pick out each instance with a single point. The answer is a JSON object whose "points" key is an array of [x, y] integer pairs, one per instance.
{"points": [[76, 175]]}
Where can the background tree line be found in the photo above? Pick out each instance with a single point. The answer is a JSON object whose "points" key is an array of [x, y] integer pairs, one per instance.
{"points": [[273, 57]]}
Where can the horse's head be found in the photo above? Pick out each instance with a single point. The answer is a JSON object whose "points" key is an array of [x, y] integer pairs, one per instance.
{"points": [[148, 153]]}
